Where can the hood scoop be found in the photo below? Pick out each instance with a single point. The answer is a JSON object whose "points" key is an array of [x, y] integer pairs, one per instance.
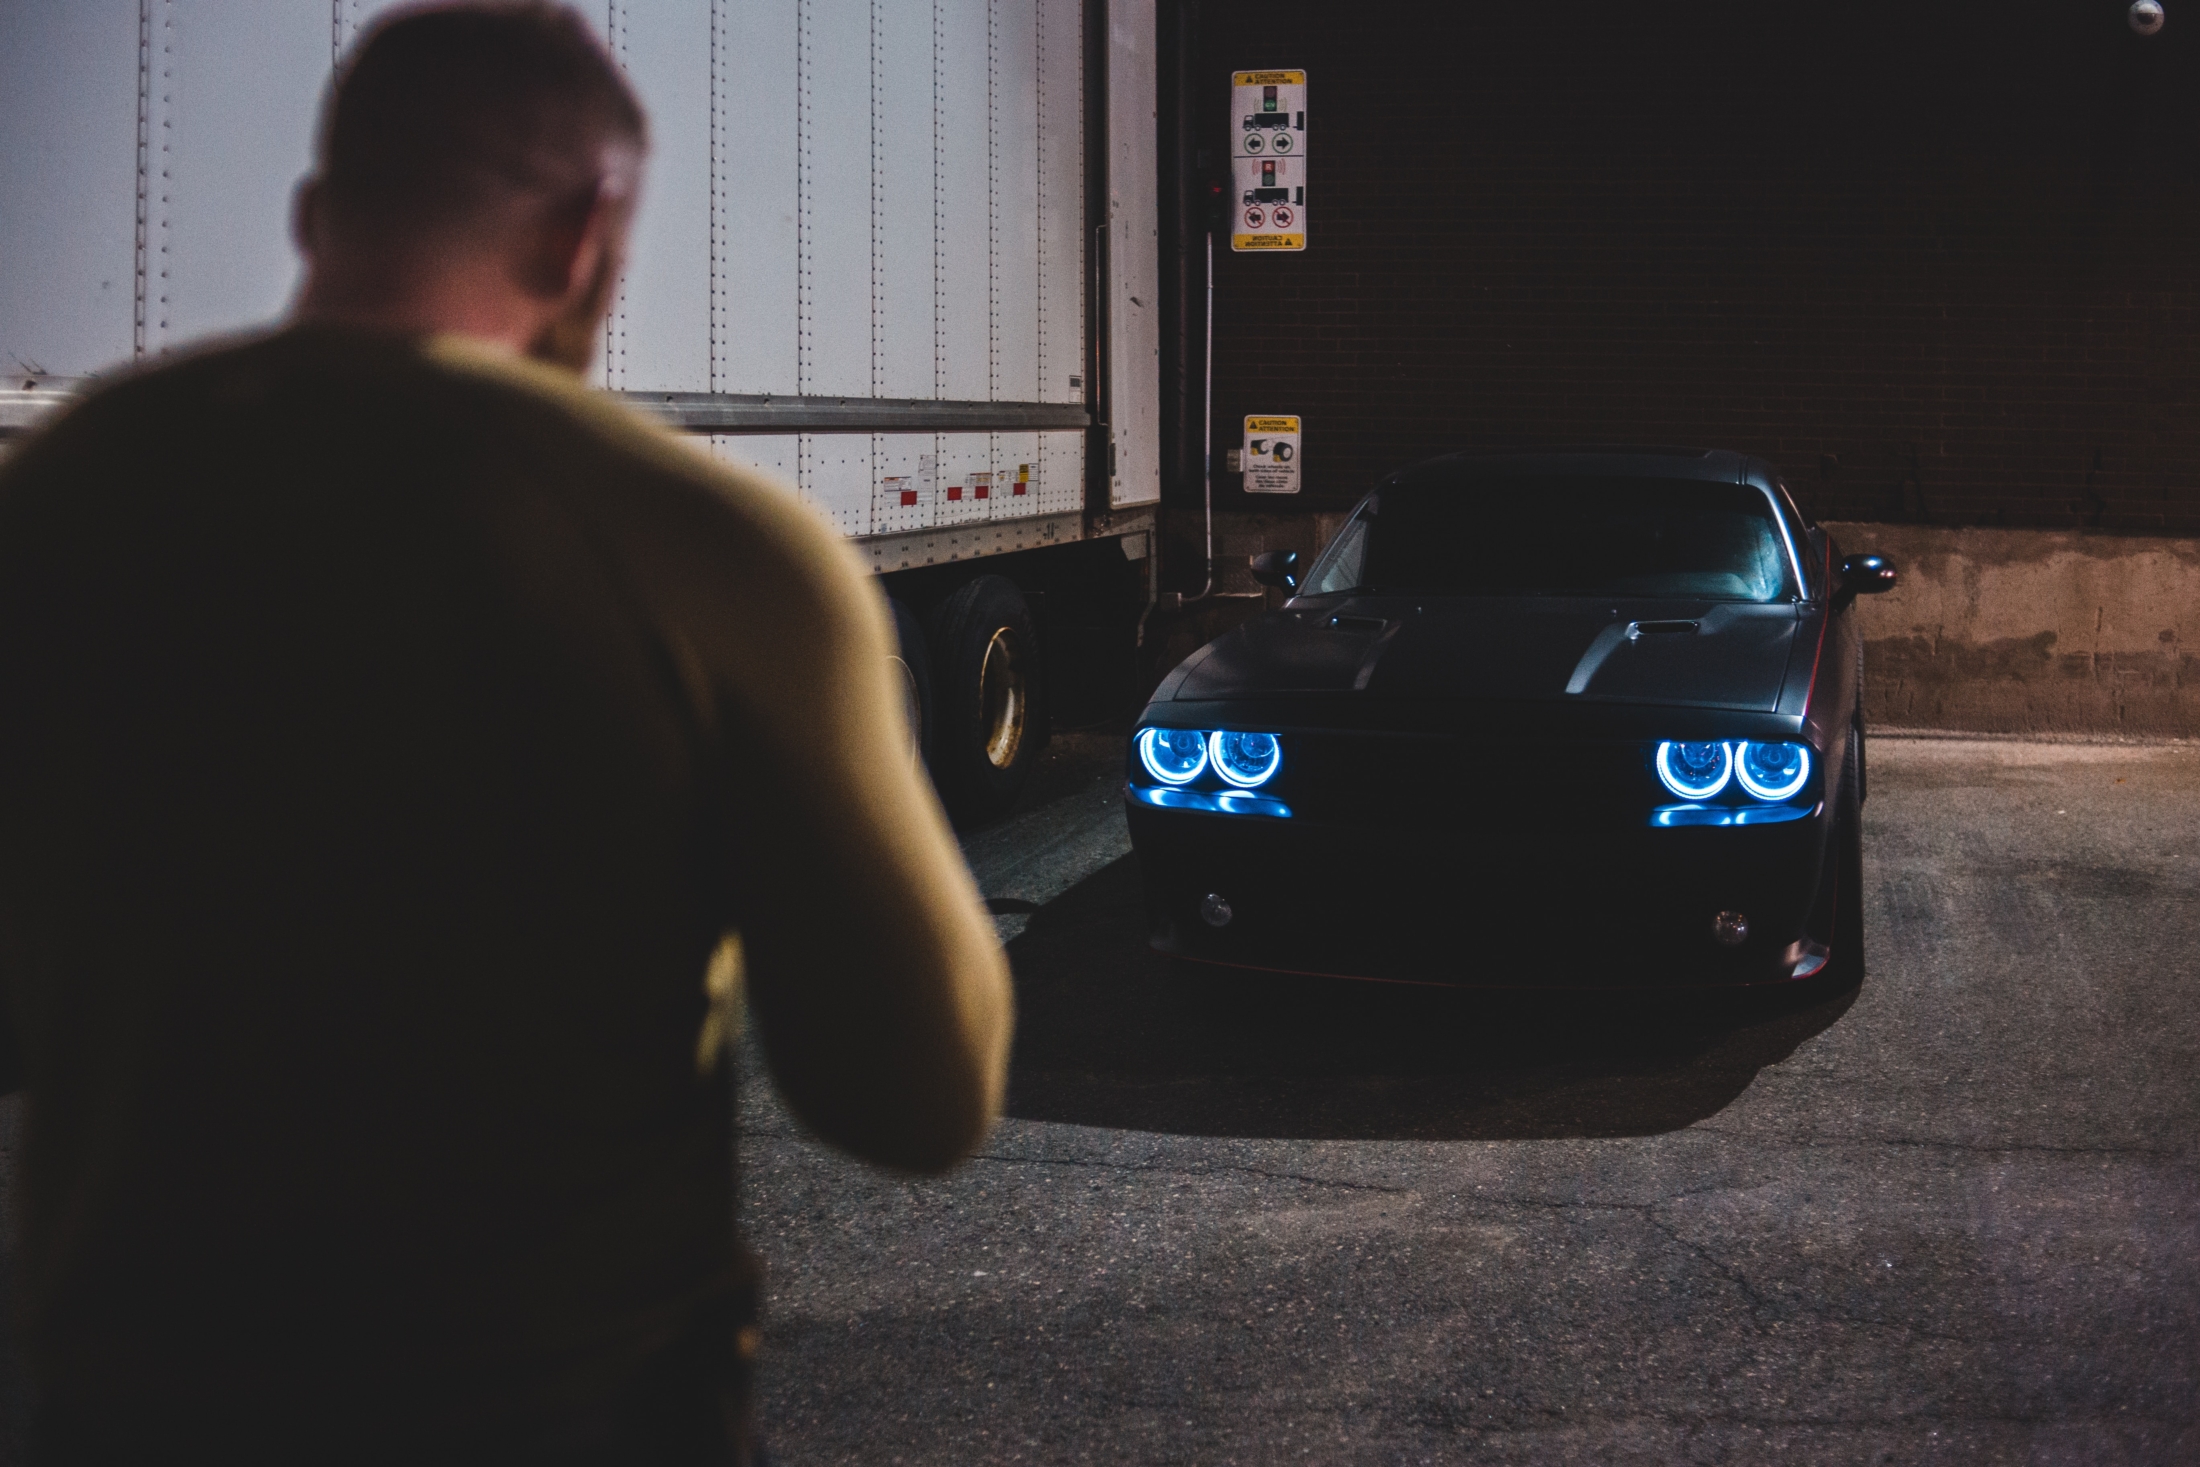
{"points": [[1606, 642], [1732, 656]]}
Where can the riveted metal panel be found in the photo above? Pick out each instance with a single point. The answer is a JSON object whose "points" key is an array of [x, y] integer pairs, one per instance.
{"points": [[836, 479], [902, 470], [942, 546], [1134, 261], [1061, 473], [657, 337], [68, 84], [961, 227], [835, 119], [773, 455], [237, 87], [1015, 467], [1015, 250], [756, 197], [901, 198], [969, 475], [862, 221], [1059, 70]]}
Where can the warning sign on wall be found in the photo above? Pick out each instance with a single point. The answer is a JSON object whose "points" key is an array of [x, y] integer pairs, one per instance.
{"points": [[1268, 160], [1271, 456]]}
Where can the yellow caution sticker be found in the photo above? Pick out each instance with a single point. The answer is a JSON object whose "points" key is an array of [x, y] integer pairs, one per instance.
{"points": [[1271, 454]]}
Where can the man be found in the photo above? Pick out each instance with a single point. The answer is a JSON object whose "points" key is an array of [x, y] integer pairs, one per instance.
{"points": [[390, 731]]}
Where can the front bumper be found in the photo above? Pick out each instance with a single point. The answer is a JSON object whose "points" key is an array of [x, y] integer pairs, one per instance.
{"points": [[1504, 903]]}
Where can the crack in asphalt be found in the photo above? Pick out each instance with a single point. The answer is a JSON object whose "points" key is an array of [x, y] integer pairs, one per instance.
{"points": [[1648, 1211]]}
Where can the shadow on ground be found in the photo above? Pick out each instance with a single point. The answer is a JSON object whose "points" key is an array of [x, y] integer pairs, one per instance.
{"points": [[1110, 1034]]}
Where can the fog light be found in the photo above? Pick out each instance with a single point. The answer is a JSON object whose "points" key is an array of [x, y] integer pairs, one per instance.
{"points": [[1809, 958], [1214, 910], [1730, 929]]}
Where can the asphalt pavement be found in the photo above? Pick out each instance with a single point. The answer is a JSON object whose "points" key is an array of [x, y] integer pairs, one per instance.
{"points": [[1950, 1216]]}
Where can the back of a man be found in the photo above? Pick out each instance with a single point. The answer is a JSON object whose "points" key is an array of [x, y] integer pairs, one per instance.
{"points": [[389, 732]]}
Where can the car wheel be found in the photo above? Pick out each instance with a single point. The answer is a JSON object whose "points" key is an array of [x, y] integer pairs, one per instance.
{"points": [[913, 665], [1838, 919], [988, 722]]}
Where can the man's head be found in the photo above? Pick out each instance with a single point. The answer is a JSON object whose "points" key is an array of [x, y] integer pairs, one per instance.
{"points": [[476, 172]]}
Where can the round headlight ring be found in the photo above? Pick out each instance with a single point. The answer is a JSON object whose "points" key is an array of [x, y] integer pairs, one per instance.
{"points": [[1173, 755], [1695, 771], [1789, 769], [1247, 760]]}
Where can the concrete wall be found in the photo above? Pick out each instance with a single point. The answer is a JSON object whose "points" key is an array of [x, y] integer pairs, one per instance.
{"points": [[2032, 631]]}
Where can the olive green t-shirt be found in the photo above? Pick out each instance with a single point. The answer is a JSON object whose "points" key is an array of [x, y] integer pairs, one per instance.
{"points": [[389, 732]]}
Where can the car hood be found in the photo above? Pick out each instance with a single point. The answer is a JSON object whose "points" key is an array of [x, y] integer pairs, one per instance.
{"points": [[1702, 654]]}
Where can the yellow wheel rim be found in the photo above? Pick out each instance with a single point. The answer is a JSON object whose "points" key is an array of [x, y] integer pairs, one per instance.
{"points": [[1004, 698], [913, 704]]}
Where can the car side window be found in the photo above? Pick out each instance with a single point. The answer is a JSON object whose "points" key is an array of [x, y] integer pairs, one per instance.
{"points": [[1343, 563]]}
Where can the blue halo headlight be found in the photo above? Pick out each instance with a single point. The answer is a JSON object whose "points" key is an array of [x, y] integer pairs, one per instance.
{"points": [[1772, 771], [1694, 771], [1245, 759], [1173, 755]]}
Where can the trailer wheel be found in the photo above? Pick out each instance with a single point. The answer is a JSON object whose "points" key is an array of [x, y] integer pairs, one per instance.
{"points": [[913, 662], [988, 724]]}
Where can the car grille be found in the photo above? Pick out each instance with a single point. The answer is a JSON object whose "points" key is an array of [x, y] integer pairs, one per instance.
{"points": [[1424, 782]]}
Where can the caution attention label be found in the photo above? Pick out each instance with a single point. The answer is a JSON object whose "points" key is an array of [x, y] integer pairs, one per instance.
{"points": [[1271, 454], [1268, 160]]}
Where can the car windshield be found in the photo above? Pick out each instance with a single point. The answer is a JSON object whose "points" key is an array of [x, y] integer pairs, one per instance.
{"points": [[1561, 535]]}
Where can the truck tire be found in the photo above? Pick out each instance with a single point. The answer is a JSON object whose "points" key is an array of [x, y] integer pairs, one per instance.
{"points": [[913, 664], [988, 724]]}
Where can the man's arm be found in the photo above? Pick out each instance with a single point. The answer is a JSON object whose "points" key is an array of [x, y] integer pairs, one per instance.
{"points": [[879, 988]]}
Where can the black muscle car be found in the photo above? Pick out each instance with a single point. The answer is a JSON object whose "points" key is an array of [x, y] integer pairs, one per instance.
{"points": [[1573, 718]]}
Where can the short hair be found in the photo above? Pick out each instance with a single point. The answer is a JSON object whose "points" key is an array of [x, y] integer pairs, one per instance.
{"points": [[444, 112]]}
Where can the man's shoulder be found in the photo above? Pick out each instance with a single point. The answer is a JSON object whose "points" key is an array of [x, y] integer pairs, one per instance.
{"points": [[148, 392], [239, 389], [455, 407]]}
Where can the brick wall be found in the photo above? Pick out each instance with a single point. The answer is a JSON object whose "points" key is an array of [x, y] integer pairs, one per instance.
{"points": [[1936, 260]]}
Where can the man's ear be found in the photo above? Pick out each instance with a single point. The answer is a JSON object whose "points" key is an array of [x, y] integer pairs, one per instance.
{"points": [[566, 247]]}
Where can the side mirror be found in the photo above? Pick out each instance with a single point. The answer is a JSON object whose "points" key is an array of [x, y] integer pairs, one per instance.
{"points": [[1863, 575], [1278, 568]]}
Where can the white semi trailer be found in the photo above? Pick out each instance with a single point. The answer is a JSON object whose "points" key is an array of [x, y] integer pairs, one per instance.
{"points": [[900, 253]]}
